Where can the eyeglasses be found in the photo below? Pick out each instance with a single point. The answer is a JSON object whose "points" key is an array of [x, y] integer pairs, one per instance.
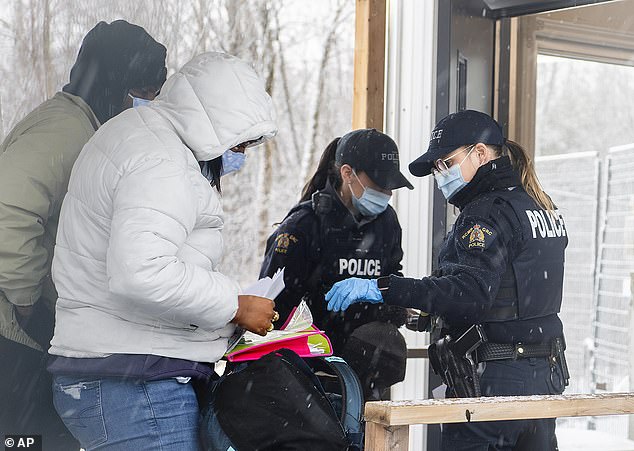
{"points": [[443, 165], [242, 146]]}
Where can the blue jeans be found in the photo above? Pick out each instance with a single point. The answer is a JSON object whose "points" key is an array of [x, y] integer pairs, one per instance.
{"points": [[119, 414]]}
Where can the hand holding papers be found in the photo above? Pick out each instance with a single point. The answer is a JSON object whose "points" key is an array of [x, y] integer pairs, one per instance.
{"points": [[266, 287], [298, 334]]}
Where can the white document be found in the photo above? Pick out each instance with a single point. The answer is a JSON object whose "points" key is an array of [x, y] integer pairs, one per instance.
{"points": [[267, 287], [302, 319]]}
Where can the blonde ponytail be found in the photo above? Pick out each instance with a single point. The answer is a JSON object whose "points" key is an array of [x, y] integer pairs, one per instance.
{"points": [[524, 164]]}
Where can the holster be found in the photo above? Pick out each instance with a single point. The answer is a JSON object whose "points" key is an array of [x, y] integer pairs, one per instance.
{"points": [[454, 361], [558, 363]]}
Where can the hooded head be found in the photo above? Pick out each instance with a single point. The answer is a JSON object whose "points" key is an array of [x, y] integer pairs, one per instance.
{"points": [[216, 102], [113, 59]]}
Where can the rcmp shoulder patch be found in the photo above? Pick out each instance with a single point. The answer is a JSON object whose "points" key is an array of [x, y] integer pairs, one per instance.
{"points": [[476, 235], [283, 241]]}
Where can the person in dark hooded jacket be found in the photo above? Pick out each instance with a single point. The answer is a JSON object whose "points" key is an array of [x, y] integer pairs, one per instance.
{"points": [[118, 65]]}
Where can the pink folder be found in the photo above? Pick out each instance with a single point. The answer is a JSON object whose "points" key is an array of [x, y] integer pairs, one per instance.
{"points": [[310, 342]]}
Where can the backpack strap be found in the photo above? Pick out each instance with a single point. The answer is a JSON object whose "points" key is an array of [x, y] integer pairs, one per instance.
{"points": [[352, 410], [296, 361], [299, 363]]}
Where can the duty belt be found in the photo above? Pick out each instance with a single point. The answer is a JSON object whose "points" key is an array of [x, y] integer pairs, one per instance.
{"points": [[499, 351]]}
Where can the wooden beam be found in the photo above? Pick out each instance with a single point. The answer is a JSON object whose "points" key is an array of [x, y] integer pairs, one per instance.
{"points": [[429, 411], [385, 438], [369, 64], [418, 353]]}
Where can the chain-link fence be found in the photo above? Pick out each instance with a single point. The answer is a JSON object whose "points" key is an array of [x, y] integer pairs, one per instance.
{"points": [[596, 197], [572, 180]]}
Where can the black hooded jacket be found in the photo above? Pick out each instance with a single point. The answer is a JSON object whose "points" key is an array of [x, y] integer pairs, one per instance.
{"points": [[113, 59]]}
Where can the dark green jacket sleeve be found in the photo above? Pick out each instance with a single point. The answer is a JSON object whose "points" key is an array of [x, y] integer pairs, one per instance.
{"points": [[35, 165]]}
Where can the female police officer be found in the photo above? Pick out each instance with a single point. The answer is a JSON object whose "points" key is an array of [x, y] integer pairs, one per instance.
{"points": [[500, 277], [342, 227]]}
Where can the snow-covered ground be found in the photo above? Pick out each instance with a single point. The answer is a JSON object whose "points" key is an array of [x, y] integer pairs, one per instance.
{"points": [[586, 440]]}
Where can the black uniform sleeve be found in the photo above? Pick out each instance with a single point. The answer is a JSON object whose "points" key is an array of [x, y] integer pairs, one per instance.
{"points": [[477, 251], [289, 248], [396, 253], [394, 314]]}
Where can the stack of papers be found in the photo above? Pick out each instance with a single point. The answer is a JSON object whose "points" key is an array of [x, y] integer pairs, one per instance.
{"points": [[267, 287]]}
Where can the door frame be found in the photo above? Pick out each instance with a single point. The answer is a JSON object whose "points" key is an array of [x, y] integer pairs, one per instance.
{"points": [[529, 36]]}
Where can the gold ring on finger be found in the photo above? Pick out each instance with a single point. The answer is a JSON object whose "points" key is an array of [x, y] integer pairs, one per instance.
{"points": [[276, 316], [270, 328]]}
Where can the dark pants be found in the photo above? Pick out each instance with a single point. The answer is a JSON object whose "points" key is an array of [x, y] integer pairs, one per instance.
{"points": [[509, 378], [26, 398]]}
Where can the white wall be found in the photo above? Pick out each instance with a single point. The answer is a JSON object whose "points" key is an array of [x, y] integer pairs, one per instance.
{"points": [[410, 97]]}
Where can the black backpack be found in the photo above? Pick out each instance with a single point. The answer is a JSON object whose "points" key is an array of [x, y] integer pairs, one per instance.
{"points": [[278, 403]]}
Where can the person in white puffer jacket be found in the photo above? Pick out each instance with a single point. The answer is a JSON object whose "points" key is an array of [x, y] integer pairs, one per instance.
{"points": [[142, 309]]}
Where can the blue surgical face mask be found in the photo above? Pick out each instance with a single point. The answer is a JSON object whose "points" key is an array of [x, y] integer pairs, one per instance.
{"points": [[138, 101], [371, 203], [232, 161], [451, 181]]}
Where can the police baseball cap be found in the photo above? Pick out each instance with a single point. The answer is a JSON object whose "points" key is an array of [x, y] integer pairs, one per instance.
{"points": [[374, 153], [458, 129]]}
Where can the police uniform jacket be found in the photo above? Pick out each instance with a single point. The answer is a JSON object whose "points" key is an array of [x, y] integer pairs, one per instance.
{"points": [[501, 264], [320, 243]]}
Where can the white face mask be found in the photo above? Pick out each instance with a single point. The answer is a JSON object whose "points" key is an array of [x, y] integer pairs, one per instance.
{"points": [[138, 101]]}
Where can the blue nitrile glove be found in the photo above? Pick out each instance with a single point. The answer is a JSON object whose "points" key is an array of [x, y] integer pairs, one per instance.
{"points": [[351, 291]]}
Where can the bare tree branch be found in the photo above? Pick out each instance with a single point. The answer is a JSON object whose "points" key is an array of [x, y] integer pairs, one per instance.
{"points": [[311, 152], [287, 96]]}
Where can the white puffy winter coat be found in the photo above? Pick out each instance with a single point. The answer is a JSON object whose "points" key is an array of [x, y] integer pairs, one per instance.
{"points": [[140, 237]]}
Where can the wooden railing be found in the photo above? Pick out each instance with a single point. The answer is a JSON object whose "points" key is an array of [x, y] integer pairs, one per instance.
{"points": [[387, 422]]}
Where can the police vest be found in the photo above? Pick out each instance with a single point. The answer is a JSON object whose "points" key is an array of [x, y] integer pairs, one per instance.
{"points": [[344, 251], [532, 285], [340, 249]]}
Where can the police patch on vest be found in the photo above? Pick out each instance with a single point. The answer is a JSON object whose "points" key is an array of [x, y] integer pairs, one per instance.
{"points": [[477, 236], [283, 241]]}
